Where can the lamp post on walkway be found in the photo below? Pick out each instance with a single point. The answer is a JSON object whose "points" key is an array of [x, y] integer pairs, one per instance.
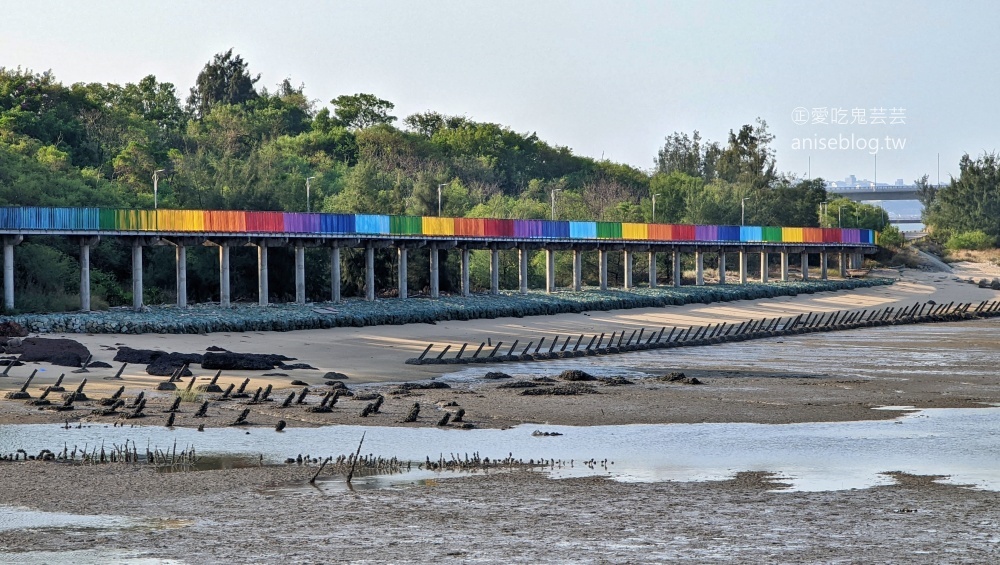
{"points": [[156, 190], [308, 208], [439, 198], [654, 208], [554, 191], [743, 211]]}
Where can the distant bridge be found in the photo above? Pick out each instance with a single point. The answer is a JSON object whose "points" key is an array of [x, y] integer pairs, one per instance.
{"points": [[867, 193], [906, 220]]}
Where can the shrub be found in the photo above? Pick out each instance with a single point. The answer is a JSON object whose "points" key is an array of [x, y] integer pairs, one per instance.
{"points": [[891, 237], [973, 240]]}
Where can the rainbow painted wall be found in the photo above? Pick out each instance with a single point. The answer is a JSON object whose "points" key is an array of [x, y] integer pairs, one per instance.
{"points": [[26, 219]]}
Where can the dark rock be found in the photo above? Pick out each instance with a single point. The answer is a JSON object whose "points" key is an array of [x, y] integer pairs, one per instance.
{"points": [[294, 366], [671, 377], [333, 375], [62, 352], [544, 380], [431, 385], [12, 329], [242, 361], [297, 382], [617, 381], [166, 385], [366, 395], [576, 375], [214, 348], [494, 375], [137, 356], [518, 384], [166, 363], [99, 365], [335, 384], [66, 359], [275, 375], [561, 390]]}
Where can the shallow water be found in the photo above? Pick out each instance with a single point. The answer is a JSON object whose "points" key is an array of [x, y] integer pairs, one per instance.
{"points": [[892, 352], [962, 443]]}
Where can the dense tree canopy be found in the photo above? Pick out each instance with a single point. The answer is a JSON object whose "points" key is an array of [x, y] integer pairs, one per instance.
{"points": [[968, 203]]}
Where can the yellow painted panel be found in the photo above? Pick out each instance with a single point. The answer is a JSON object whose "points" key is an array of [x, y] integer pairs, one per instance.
{"points": [[438, 226], [635, 231]]}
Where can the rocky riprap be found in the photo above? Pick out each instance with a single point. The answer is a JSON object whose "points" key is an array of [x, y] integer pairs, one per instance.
{"points": [[204, 318]]}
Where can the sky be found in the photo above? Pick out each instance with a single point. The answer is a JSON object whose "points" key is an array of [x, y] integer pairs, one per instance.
{"points": [[606, 79]]}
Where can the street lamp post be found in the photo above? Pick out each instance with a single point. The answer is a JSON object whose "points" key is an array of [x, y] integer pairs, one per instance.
{"points": [[308, 207], [654, 209], [553, 193], [439, 197], [156, 188], [840, 221], [743, 211], [823, 207]]}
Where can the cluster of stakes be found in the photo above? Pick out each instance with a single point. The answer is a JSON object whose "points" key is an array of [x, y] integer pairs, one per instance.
{"points": [[128, 453], [115, 406], [640, 340]]}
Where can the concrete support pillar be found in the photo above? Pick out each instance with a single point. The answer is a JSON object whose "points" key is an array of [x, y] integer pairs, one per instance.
{"points": [[577, 270], [85, 277], [763, 267], [784, 266], [8, 275], [136, 274], [182, 279], [678, 271], [494, 271], [435, 272], [550, 271], [369, 273], [262, 274], [652, 269], [224, 293], [522, 270], [699, 268], [722, 267], [842, 264], [300, 274], [805, 266], [628, 257], [743, 266], [603, 268], [466, 290], [823, 265], [335, 274], [403, 289]]}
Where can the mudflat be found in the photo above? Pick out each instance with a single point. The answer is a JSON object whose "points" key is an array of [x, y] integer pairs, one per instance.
{"points": [[270, 513]]}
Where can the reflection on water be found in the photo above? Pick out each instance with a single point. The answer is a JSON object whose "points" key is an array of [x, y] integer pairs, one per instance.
{"points": [[962, 443], [85, 557], [12, 518]]}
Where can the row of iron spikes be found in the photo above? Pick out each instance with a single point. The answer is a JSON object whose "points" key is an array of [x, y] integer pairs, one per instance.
{"points": [[748, 326]]}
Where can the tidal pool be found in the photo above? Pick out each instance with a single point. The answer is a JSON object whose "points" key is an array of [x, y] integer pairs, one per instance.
{"points": [[961, 443]]}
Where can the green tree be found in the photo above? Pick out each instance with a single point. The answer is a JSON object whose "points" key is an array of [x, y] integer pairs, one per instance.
{"points": [[972, 201], [360, 111], [223, 80]]}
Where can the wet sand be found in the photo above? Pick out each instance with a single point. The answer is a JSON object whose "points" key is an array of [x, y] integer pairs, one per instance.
{"points": [[256, 515], [269, 514]]}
